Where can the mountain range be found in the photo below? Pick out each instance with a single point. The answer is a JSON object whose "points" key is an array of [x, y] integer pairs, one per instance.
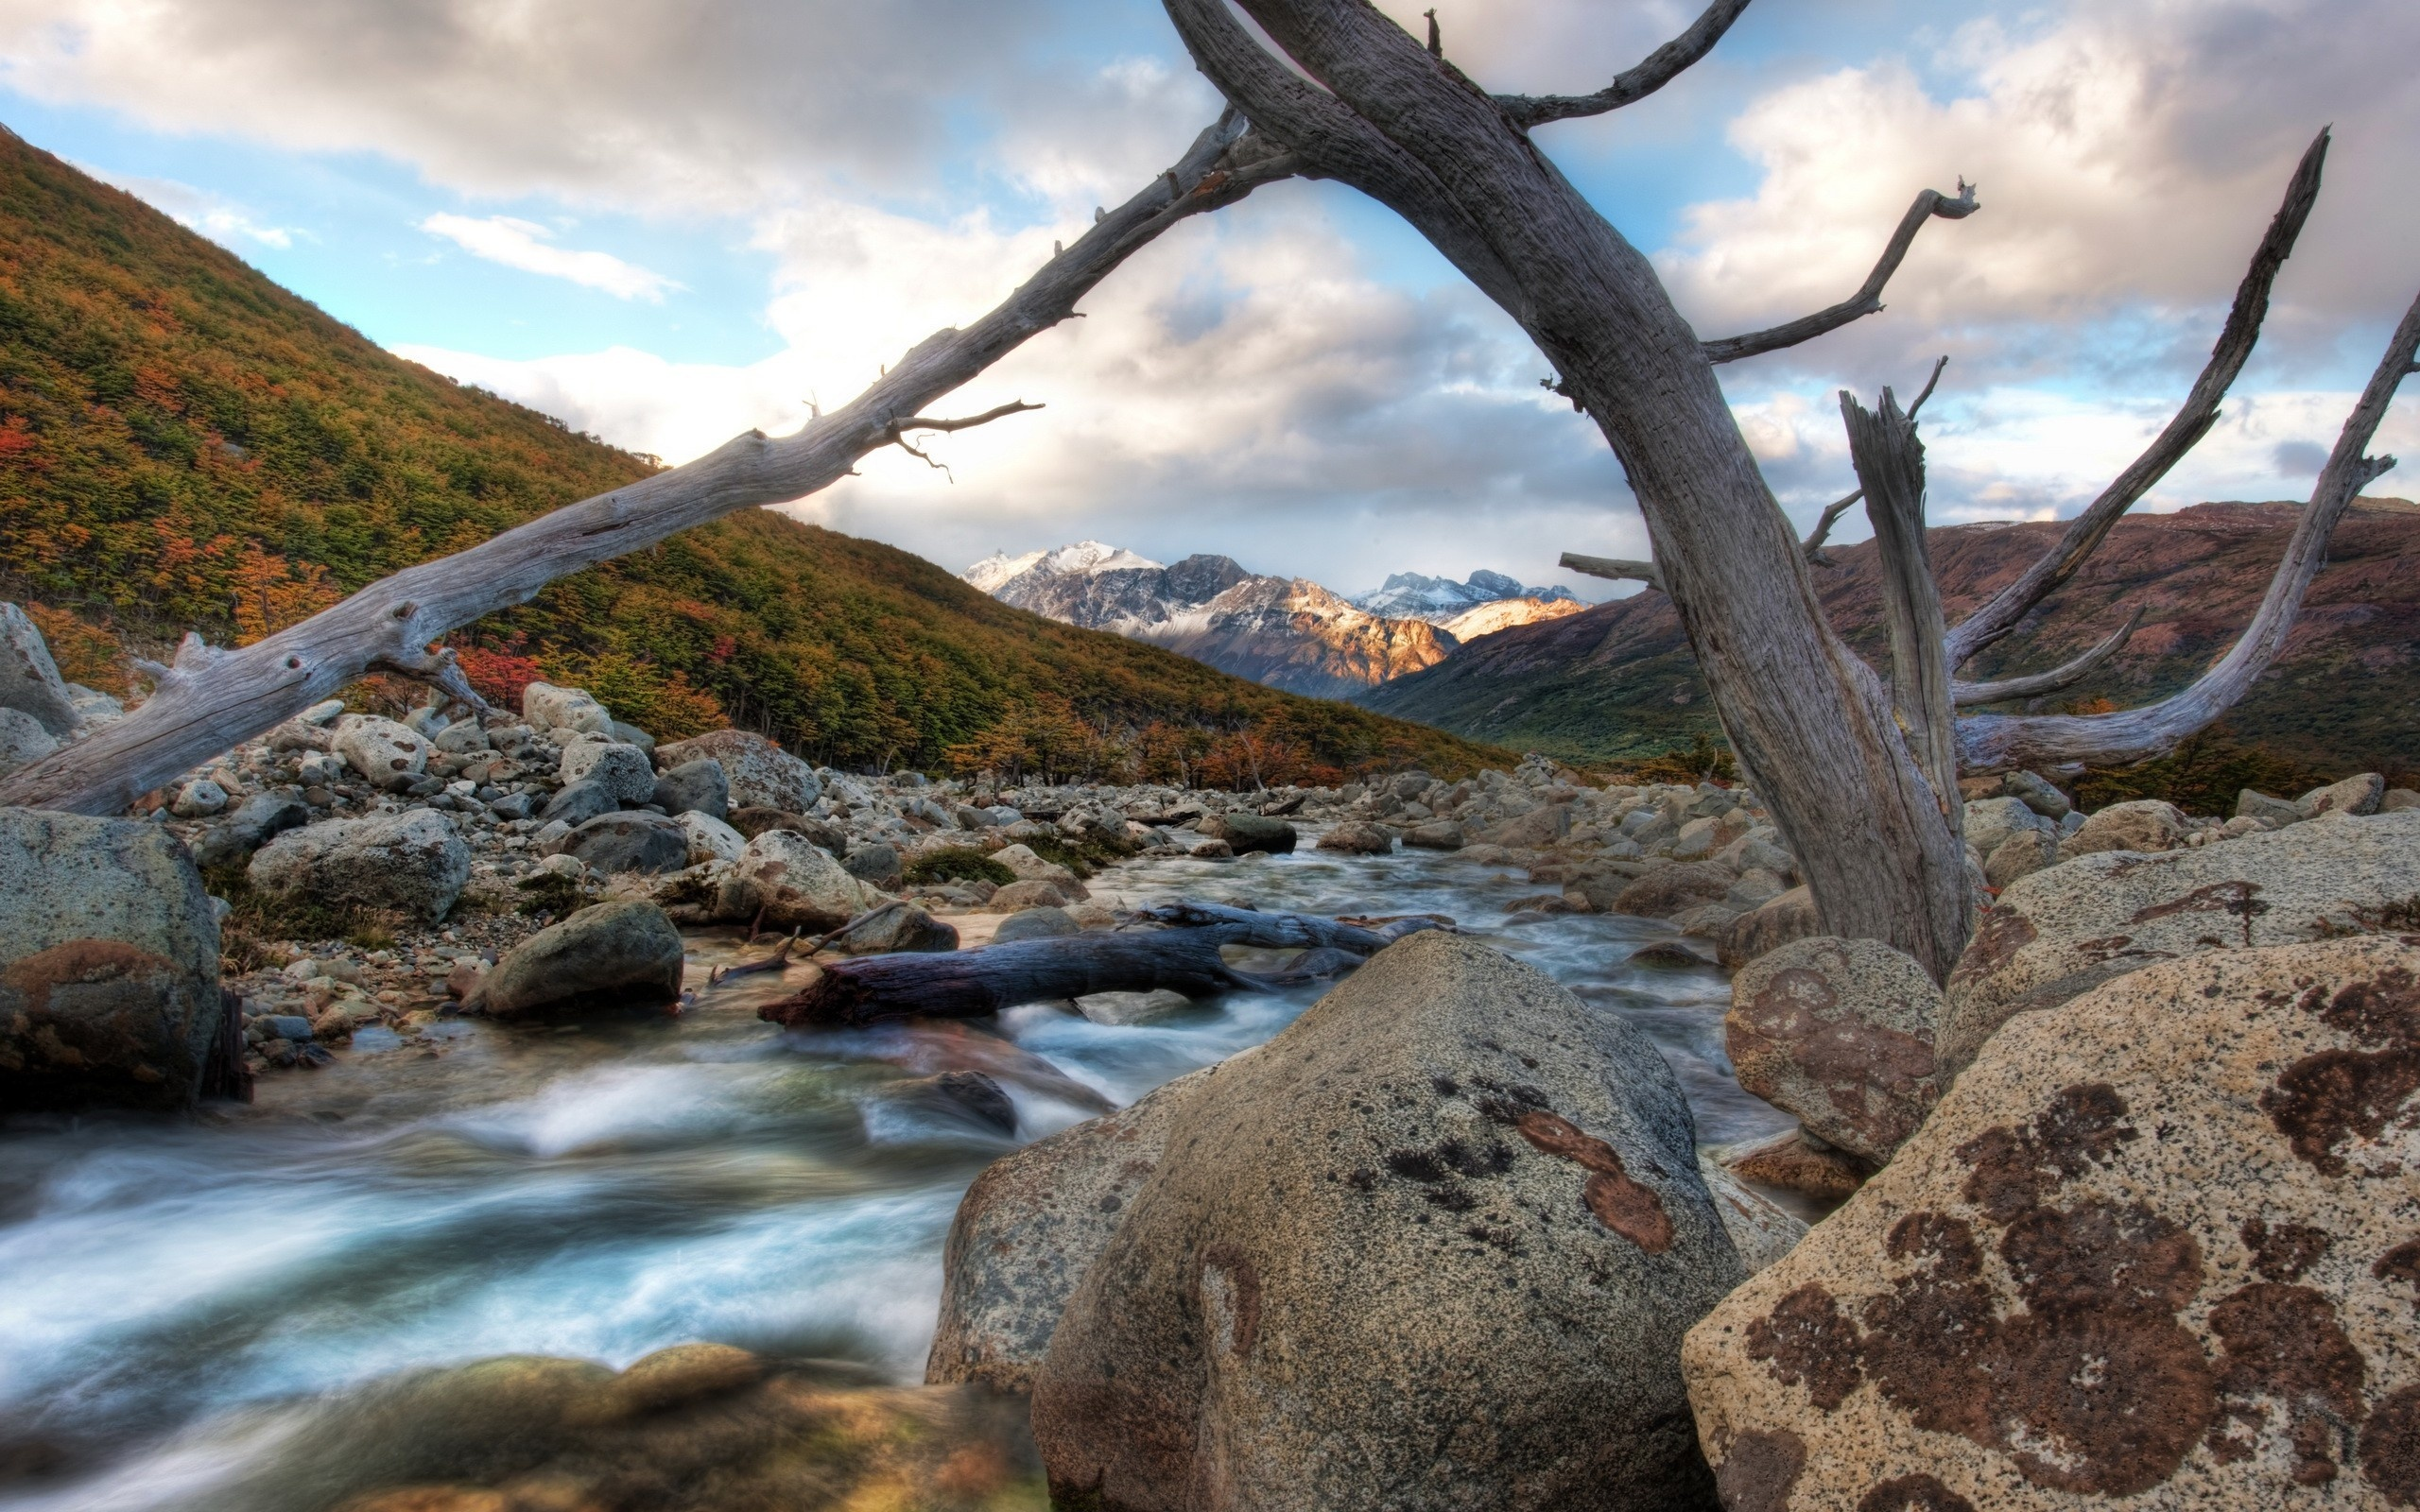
{"points": [[1286, 632], [185, 445], [1617, 681]]}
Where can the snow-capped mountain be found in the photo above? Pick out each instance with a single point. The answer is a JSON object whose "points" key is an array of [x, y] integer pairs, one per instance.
{"points": [[1287, 632], [1442, 600]]}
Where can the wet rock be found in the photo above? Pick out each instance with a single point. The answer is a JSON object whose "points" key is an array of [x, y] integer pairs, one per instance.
{"points": [[109, 965], [411, 863], [2154, 1248], [386, 753], [1671, 890], [577, 803], [1795, 1162], [876, 865], [1120, 1009], [1438, 834], [22, 740], [2355, 795], [1841, 1032], [760, 773], [694, 787], [1029, 1227], [623, 771], [1358, 837], [1448, 1172], [1045, 923], [632, 841], [709, 838], [897, 930], [261, 818], [613, 956], [1245, 831], [2067, 930], [792, 883], [563, 711], [1672, 956], [957, 1096], [2147, 824]]}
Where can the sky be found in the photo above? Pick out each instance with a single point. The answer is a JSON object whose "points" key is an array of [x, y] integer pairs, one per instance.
{"points": [[668, 221]]}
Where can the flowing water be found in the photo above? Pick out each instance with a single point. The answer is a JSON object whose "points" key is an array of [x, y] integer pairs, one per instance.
{"points": [[604, 1191]]}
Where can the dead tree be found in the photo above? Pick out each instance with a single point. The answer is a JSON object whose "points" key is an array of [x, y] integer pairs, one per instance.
{"points": [[1858, 769], [212, 698]]}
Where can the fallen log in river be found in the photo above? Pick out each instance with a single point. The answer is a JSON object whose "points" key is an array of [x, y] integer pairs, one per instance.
{"points": [[1175, 947]]}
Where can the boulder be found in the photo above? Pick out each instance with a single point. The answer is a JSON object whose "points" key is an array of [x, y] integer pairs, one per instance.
{"points": [[1669, 890], [2067, 930], [632, 841], [109, 965], [1432, 1247], [1358, 837], [386, 754], [2145, 824], [411, 863], [2355, 795], [623, 771], [1990, 822], [1047, 921], [563, 711], [1760, 849], [1120, 1009], [896, 931], [752, 822], [30, 680], [794, 882], [22, 740], [2153, 1249], [760, 773], [631, 735], [2253, 804], [954, 1096], [2022, 853], [579, 802], [1018, 896], [1795, 1162], [694, 787], [1438, 834], [613, 956], [877, 863], [1839, 1032], [2037, 793], [1534, 831], [261, 818], [2398, 801], [1029, 1227], [1028, 866], [709, 838], [1760, 1230], [198, 800], [1245, 831], [462, 737]]}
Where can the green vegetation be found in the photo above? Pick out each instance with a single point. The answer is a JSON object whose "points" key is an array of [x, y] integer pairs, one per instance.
{"points": [[958, 864], [185, 445], [2201, 776]]}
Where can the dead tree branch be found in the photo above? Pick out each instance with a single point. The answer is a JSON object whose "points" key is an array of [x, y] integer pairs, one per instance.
{"points": [[1652, 73], [1889, 461], [1619, 569], [212, 699], [2192, 421], [1868, 298], [1968, 695], [1813, 545], [1995, 742]]}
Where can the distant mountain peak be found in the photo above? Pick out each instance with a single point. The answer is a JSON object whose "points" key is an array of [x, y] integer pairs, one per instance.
{"points": [[1418, 596]]}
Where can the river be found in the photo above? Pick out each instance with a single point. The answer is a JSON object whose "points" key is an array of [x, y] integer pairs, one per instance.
{"points": [[604, 1191]]}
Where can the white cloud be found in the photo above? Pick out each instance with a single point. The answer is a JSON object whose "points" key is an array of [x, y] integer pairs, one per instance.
{"points": [[218, 218], [527, 245]]}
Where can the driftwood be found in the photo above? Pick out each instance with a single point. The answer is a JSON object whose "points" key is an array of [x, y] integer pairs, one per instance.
{"points": [[1182, 954]]}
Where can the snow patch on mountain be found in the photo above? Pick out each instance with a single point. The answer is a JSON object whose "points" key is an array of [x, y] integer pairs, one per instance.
{"points": [[1417, 595], [1085, 558]]}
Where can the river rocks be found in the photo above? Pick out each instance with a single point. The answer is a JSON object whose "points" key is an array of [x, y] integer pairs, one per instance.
{"points": [[1991, 821], [2251, 803], [1792, 1161], [1768, 927], [1672, 889], [1245, 831], [2153, 1249], [1021, 896], [261, 818], [792, 883], [2147, 824], [694, 787], [709, 838], [1450, 1218], [1839, 1032], [198, 800], [1029, 1227], [109, 965], [22, 740], [876, 865], [386, 753], [2062, 932], [1028, 866], [1120, 1009], [635, 841], [2021, 855], [1534, 831], [1358, 837], [963, 1097], [623, 771], [2355, 795], [760, 773], [1047, 921], [613, 956], [899, 928], [563, 711], [411, 863], [1438, 834]]}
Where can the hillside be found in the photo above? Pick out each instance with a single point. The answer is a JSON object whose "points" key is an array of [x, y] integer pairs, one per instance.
{"points": [[1617, 680], [183, 444]]}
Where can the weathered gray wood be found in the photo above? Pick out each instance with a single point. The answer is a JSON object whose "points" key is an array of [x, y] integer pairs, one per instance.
{"points": [[1868, 298], [2032, 685], [1812, 547], [1654, 71], [1995, 742], [212, 698], [1617, 569], [1889, 461], [2192, 421]]}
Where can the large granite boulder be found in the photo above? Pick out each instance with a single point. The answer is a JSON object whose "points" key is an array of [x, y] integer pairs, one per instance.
{"points": [[695, 788], [411, 863], [759, 773], [2355, 795], [563, 712], [386, 753], [259, 819], [1358, 837], [2145, 824], [1674, 888], [1769, 926], [30, 680], [629, 841], [791, 883], [2155, 1249], [1432, 1246], [1839, 1032], [2065, 931], [23, 741], [1246, 831], [622, 770], [109, 965], [614, 955]]}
